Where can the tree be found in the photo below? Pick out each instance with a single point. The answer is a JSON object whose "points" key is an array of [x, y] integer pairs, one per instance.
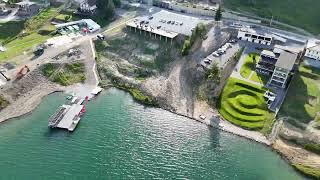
{"points": [[218, 15], [106, 8], [213, 74], [185, 48], [117, 3]]}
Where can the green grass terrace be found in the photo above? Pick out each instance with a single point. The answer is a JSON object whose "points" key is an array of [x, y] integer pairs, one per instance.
{"points": [[243, 104]]}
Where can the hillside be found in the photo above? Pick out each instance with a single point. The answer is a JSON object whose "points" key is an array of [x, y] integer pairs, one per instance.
{"points": [[301, 13]]}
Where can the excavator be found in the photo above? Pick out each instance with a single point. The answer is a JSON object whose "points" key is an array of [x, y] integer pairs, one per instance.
{"points": [[23, 71]]}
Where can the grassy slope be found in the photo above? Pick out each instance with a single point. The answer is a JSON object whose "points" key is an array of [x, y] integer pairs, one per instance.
{"points": [[249, 65], [243, 104], [301, 13], [309, 171], [302, 101], [66, 75], [18, 37]]}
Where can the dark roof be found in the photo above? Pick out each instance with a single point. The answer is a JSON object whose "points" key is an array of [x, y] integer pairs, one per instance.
{"points": [[286, 60]]}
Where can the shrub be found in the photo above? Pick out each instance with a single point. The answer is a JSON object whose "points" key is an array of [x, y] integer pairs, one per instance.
{"points": [[186, 47], [313, 148], [3, 102]]}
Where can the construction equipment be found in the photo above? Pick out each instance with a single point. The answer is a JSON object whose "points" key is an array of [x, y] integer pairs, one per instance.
{"points": [[23, 71]]}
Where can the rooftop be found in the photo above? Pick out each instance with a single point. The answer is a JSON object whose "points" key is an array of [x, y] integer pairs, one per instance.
{"points": [[293, 49], [256, 32], [24, 3], [172, 22], [286, 60], [268, 53], [314, 44]]}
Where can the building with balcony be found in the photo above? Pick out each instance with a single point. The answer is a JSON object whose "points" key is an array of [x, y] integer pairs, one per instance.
{"points": [[267, 62], [282, 69], [313, 49]]}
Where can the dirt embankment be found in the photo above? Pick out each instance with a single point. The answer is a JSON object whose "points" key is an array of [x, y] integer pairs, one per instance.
{"points": [[291, 143], [25, 94]]}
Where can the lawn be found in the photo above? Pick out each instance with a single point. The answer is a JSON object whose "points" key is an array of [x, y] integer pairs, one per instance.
{"points": [[21, 44], [243, 104], [303, 99], [259, 78], [301, 13], [249, 65], [18, 37]]}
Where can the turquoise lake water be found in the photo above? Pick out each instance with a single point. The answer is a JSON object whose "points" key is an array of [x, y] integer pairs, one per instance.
{"points": [[120, 139]]}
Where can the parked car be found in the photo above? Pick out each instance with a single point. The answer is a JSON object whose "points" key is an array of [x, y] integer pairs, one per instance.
{"points": [[233, 41], [215, 54], [100, 36]]}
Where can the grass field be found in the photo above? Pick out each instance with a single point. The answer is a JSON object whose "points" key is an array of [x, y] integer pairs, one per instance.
{"points": [[300, 13], [259, 78], [303, 99], [243, 104], [249, 65], [18, 37]]}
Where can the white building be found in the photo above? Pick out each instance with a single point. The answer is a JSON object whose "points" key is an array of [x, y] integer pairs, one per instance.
{"points": [[313, 49], [88, 24], [251, 35]]}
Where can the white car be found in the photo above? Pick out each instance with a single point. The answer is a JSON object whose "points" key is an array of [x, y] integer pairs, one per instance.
{"points": [[100, 36], [215, 54]]}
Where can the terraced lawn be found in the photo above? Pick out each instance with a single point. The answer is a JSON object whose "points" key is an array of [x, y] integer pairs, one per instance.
{"points": [[243, 104]]}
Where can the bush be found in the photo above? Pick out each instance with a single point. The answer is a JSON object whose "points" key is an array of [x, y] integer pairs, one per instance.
{"points": [[186, 47], [313, 148], [3, 103], [307, 170], [135, 92], [199, 31]]}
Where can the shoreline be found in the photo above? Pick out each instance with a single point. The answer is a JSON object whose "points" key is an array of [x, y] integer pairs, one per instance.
{"points": [[225, 126]]}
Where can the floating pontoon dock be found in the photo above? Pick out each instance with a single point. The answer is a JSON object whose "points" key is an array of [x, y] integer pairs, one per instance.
{"points": [[67, 117]]}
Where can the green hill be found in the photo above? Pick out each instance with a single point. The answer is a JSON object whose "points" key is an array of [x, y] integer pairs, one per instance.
{"points": [[300, 13]]}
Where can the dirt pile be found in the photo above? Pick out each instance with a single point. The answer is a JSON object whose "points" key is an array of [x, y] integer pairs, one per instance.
{"points": [[25, 94]]}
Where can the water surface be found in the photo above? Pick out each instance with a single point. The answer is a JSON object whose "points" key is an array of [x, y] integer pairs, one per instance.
{"points": [[120, 139]]}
